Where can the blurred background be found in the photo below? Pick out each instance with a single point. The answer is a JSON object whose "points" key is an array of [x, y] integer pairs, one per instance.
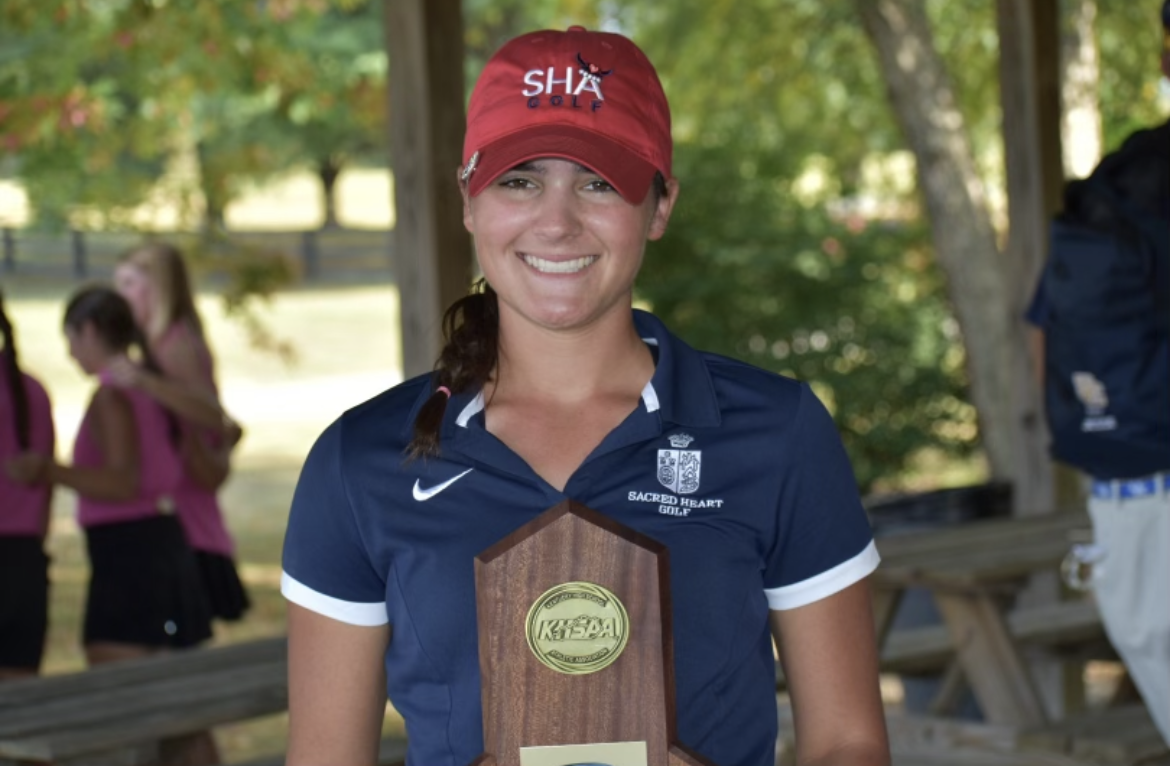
{"points": [[253, 133]]}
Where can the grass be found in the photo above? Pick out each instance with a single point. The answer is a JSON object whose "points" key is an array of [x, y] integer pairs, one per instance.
{"points": [[345, 341]]}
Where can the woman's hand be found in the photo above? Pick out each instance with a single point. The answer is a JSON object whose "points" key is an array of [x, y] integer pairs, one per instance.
{"points": [[126, 373], [28, 468], [207, 464]]}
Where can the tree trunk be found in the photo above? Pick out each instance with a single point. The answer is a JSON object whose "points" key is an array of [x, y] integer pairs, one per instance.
{"points": [[964, 237], [432, 252], [1030, 97], [214, 188], [328, 169], [1080, 70]]}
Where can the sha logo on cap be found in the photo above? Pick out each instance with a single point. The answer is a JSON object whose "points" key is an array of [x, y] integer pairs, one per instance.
{"points": [[540, 82]]}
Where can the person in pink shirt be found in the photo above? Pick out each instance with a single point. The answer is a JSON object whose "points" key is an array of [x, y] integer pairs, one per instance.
{"points": [[144, 594], [153, 278], [26, 424]]}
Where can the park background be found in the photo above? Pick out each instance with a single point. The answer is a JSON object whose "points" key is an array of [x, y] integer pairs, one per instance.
{"points": [[801, 242]]}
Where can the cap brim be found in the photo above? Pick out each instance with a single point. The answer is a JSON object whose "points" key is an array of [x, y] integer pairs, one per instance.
{"points": [[628, 173]]}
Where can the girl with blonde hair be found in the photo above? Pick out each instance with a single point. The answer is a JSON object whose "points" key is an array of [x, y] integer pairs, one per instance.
{"points": [[154, 280]]}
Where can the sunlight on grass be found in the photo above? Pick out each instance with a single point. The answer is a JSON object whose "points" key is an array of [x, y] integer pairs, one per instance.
{"points": [[346, 344]]}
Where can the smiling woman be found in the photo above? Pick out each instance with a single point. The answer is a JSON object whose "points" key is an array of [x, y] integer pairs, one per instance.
{"points": [[552, 387]]}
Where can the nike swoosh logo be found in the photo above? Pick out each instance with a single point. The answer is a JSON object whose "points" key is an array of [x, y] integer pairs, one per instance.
{"points": [[421, 494]]}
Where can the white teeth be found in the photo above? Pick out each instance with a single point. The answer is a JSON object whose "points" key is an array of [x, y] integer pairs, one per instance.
{"points": [[559, 267]]}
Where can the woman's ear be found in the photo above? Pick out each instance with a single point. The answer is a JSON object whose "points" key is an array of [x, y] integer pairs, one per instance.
{"points": [[662, 210], [466, 200]]}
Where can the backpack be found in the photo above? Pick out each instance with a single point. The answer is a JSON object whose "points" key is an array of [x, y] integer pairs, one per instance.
{"points": [[1107, 335]]}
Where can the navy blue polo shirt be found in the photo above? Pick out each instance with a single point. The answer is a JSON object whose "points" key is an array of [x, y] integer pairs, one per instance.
{"points": [[739, 471]]}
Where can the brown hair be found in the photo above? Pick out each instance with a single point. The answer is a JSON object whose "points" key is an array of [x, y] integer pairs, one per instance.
{"points": [[113, 320], [471, 327], [173, 300], [16, 390]]}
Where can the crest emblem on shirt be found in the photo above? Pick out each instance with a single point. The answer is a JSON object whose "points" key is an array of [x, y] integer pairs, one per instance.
{"points": [[1095, 397], [679, 467]]}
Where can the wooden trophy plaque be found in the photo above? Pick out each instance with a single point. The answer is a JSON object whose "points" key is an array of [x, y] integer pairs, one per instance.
{"points": [[576, 653]]}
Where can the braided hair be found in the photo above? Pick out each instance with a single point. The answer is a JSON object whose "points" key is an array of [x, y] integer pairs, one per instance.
{"points": [[471, 326]]}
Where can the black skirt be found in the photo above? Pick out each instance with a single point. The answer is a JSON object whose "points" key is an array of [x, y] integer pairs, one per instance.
{"points": [[221, 584], [24, 602], [145, 587]]}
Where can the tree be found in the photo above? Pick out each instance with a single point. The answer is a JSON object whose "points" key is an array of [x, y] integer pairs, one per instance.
{"points": [[954, 194], [324, 87], [982, 279], [98, 99]]}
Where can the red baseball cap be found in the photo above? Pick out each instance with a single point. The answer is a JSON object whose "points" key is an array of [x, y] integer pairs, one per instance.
{"points": [[590, 97]]}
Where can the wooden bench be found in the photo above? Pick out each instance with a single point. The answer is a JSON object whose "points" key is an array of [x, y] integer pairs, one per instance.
{"points": [[1122, 736], [119, 713], [922, 740], [1065, 626], [972, 572]]}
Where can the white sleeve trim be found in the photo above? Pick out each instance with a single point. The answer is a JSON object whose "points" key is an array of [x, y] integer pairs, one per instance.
{"points": [[826, 583], [352, 612]]}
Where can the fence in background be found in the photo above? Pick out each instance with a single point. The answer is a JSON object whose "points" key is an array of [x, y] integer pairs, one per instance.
{"points": [[325, 255]]}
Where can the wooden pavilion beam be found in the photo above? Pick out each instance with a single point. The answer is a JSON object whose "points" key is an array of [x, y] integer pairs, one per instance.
{"points": [[432, 251], [1029, 71], [1029, 76]]}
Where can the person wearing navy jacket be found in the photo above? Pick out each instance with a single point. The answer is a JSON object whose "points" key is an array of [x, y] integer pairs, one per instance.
{"points": [[552, 387]]}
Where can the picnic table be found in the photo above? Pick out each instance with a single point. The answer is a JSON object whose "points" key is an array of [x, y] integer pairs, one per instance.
{"points": [[119, 713], [973, 571]]}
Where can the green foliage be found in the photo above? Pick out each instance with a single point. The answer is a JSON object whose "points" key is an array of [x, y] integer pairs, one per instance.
{"points": [[857, 310], [254, 275], [98, 98], [488, 24], [1129, 38], [316, 97], [67, 111]]}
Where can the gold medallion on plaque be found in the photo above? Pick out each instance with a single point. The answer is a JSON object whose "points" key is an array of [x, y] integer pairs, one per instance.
{"points": [[577, 628]]}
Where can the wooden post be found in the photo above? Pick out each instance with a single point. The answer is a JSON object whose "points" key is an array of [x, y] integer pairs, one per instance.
{"points": [[1029, 72], [1029, 89], [80, 265], [432, 251]]}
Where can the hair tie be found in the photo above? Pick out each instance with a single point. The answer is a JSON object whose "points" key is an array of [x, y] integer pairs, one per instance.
{"points": [[444, 390]]}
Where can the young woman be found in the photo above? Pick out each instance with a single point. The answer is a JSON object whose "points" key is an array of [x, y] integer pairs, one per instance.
{"points": [[551, 386], [153, 279], [26, 424], [144, 594]]}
